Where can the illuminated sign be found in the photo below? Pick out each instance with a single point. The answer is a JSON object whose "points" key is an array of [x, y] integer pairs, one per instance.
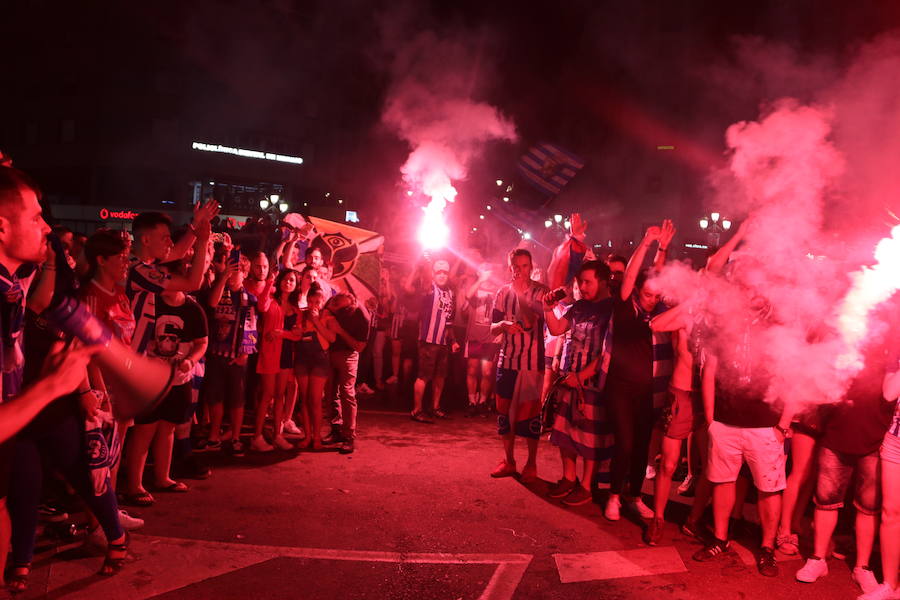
{"points": [[127, 215], [698, 246], [247, 153], [351, 217]]}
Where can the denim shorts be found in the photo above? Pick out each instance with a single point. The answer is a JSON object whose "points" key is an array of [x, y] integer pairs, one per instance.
{"points": [[835, 471]]}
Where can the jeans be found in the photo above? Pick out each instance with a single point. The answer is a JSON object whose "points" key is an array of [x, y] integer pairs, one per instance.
{"points": [[342, 390], [58, 444], [835, 471], [631, 411]]}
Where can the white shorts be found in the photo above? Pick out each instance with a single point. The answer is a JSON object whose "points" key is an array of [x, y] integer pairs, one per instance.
{"points": [[730, 446]]}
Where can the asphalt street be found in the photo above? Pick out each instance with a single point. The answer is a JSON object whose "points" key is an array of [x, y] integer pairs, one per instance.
{"points": [[411, 514]]}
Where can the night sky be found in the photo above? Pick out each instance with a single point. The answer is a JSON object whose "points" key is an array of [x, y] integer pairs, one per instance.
{"points": [[608, 80]]}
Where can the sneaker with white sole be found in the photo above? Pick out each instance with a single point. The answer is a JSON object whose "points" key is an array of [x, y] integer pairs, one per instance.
{"points": [[290, 428], [882, 592], [259, 444], [282, 444], [613, 509], [651, 472], [129, 522], [686, 484], [812, 570], [865, 579], [641, 509]]}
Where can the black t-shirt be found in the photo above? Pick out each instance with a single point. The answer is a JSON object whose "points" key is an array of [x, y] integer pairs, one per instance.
{"points": [[857, 424], [742, 381], [632, 345], [176, 329], [355, 323]]}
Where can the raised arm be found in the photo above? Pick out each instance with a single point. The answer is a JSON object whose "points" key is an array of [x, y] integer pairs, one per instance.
{"points": [[194, 278], [556, 326], [667, 232], [716, 262], [637, 259], [672, 320]]}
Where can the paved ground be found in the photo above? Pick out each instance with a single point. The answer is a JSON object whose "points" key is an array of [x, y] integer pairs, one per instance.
{"points": [[412, 514]]}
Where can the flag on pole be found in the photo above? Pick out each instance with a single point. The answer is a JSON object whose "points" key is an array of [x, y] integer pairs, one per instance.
{"points": [[549, 167]]}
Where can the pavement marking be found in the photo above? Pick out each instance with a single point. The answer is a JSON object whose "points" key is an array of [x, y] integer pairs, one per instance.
{"points": [[618, 563], [168, 564]]}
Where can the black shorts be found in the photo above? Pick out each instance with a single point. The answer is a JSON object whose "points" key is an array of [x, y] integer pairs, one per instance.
{"points": [[432, 361], [224, 382], [176, 407], [6, 458], [409, 340]]}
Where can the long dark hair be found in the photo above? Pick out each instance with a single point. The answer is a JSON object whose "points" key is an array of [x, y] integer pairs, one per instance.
{"points": [[293, 297]]}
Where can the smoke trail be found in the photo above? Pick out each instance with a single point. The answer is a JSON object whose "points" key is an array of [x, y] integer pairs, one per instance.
{"points": [[430, 105]]}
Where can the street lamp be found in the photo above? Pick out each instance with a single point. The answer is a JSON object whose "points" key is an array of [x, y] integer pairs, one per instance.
{"points": [[548, 223], [714, 226]]}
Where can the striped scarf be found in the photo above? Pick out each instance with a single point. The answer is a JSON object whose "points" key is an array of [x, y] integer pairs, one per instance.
{"points": [[663, 353]]}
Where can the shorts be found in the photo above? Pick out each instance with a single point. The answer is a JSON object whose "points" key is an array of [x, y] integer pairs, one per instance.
{"points": [[224, 382], [835, 471], [683, 415], [310, 359], [6, 460], [519, 402], [432, 361], [176, 407], [730, 446], [890, 449], [409, 340], [482, 350]]}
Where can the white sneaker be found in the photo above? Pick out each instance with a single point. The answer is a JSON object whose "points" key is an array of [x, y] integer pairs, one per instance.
{"points": [[642, 509], [95, 538], [613, 509], [259, 444], [128, 522], [812, 570], [686, 484], [882, 592], [291, 428], [865, 579], [651, 472], [282, 444]]}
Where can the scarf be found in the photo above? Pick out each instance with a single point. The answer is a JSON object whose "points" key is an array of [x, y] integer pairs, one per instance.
{"points": [[663, 353]]}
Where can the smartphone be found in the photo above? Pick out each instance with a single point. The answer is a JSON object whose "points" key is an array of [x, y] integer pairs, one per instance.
{"points": [[234, 256]]}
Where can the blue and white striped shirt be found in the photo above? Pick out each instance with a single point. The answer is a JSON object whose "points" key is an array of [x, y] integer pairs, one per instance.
{"points": [[588, 322], [521, 351], [144, 281], [437, 316]]}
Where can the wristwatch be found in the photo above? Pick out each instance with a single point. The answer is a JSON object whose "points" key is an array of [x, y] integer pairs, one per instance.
{"points": [[785, 431]]}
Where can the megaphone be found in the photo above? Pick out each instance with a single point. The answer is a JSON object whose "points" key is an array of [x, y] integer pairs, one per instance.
{"points": [[142, 382]]}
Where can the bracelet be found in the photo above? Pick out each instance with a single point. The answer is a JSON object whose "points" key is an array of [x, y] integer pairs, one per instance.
{"points": [[661, 249]]}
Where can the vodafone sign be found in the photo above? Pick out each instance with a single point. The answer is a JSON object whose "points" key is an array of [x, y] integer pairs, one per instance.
{"points": [[125, 215]]}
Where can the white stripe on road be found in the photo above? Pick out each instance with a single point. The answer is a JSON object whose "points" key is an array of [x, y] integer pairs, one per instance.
{"points": [[168, 564], [615, 564]]}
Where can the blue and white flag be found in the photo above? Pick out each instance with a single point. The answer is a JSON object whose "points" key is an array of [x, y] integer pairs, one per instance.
{"points": [[549, 167]]}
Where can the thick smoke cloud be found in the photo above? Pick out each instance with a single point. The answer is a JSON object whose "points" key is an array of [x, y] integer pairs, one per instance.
{"points": [[431, 105], [813, 179]]}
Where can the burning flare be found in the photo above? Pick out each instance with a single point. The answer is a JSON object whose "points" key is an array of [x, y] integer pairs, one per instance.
{"points": [[871, 286]]}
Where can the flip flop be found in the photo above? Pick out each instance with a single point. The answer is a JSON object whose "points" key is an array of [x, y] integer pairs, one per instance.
{"points": [[420, 417], [173, 488], [139, 499]]}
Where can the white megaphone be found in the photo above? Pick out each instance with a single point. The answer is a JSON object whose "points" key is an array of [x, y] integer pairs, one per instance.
{"points": [[142, 382]]}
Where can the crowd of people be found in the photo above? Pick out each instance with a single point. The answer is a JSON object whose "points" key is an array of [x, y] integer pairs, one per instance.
{"points": [[593, 356]]}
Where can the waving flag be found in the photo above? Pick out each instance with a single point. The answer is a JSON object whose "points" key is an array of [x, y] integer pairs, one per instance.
{"points": [[549, 167]]}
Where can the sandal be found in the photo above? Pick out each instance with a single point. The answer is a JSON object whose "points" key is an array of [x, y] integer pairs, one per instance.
{"points": [[440, 414], [420, 417], [112, 565], [173, 488], [138, 499], [17, 583]]}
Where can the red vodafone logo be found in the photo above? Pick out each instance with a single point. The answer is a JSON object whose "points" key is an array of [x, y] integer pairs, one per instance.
{"points": [[127, 215]]}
